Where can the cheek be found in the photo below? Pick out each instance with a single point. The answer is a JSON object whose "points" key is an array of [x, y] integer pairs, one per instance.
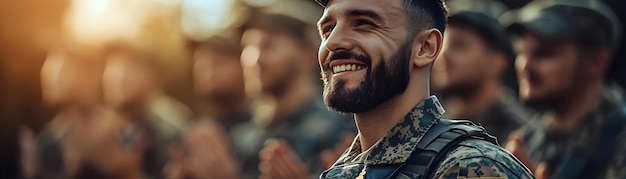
{"points": [[322, 54], [231, 77], [461, 64], [200, 69], [140, 83], [277, 63], [111, 84], [557, 74]]}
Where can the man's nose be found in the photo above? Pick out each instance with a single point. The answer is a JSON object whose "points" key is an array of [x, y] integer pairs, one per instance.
{"points": [[339, 39], [523, 64]]}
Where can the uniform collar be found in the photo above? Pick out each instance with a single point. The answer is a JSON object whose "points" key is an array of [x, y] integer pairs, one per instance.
{"points": [[399, 142]]}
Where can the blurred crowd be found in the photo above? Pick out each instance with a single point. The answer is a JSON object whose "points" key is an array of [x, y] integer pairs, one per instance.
{"points": [[232, 89]]}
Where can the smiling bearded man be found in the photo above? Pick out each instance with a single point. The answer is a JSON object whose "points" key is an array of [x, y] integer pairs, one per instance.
{"points": [[376, 58]]}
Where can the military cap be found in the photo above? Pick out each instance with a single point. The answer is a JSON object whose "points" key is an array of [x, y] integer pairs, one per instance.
{"points": [[590, 23], [487, 28]]}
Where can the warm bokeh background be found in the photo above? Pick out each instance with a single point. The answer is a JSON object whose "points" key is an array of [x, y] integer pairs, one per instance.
{"points": [[29, 27]]}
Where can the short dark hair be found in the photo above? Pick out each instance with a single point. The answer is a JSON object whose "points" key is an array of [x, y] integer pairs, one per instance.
{"points": [[422, 14], [425, 14]]}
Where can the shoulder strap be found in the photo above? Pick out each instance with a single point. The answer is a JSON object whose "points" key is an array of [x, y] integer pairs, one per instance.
{"points": [[440, 139], [573, 165]]}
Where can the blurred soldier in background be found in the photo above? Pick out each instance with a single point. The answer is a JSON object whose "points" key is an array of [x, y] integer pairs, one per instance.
{"points": [[300, 124], [468, 74], [84, 140], [218, 80], [564, 51], [71, 84], [132, 82]]}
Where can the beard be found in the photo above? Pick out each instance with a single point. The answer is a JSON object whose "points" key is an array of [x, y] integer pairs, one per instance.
{"points": [[381, 83], [563, 96], [284, 80], [462, 89]]}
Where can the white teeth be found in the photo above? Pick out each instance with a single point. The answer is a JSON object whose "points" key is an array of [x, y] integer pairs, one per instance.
{"points": [[349, 67]]}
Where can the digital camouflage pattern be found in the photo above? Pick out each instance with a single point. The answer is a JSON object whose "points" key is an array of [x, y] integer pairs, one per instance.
{"points": [[471, 159], [478, 158], [550, 147]]}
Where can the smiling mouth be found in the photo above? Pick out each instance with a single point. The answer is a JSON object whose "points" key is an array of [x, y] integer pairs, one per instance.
{"points": [[347, 68]]}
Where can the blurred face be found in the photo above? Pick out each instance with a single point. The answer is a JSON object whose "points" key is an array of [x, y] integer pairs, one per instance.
{"points": [[364, 46], [217, 74], [69, 80], [461, 64], [547, 72], [279, 61], [127, 81]]}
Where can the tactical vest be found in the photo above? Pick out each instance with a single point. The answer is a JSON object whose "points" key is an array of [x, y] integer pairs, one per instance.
{"points": [[574, 165], [443, 137]]}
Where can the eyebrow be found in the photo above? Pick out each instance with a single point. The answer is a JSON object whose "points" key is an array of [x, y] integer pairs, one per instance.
{"points": [[355, 13], [364, 12]]}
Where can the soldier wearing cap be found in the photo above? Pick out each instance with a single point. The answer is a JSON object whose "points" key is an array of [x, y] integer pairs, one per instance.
{"points": [[279, 57], [376, 58], [564, 51], [469, 74]]}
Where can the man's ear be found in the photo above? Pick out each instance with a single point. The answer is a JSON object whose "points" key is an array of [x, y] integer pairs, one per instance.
{"points": [[426, 47], [601, 59]]}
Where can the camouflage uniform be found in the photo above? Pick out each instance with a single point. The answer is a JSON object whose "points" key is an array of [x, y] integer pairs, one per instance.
{"points": [[505, 116], [309, 131], [552, 148], [469, 159]]}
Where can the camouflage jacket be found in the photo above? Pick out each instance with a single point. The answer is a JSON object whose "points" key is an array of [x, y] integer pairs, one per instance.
{"points": [[545, 146], [469, 159]]}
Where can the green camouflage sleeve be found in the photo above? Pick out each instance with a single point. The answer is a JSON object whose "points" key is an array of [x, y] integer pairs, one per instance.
{"points": [[479, 159]]}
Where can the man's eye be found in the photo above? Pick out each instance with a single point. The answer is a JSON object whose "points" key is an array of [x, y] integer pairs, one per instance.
{"points": [[364, 22], [327, 29]]}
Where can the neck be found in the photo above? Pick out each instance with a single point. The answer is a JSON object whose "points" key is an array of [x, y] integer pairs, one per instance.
{"points": [[296, 94], [472, 106], [374, 124], [567, 116]]}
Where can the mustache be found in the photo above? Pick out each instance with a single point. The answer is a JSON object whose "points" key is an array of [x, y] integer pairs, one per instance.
{"points": [[346, 55]]}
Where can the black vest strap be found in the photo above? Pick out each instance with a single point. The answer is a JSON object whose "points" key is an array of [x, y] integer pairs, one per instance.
{"points": [[440, 139]]}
